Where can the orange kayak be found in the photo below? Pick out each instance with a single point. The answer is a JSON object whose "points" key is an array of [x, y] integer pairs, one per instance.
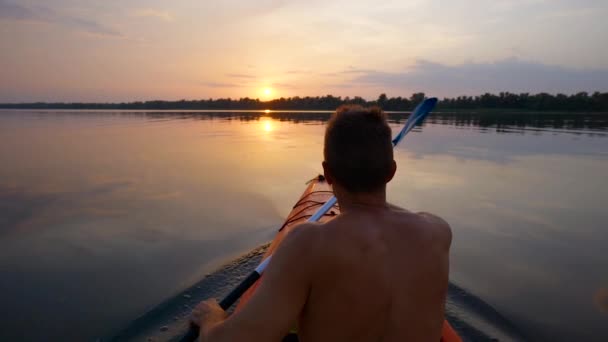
{"points": [[316, 194]]}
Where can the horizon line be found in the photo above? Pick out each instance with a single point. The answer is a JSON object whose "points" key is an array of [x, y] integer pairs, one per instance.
{"points": [[257, 99]]}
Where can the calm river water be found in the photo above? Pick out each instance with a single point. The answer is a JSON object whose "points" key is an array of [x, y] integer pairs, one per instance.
{"points": [[104, 214]]}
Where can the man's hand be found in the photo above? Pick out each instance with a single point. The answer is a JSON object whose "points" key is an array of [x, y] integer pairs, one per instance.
{"points": [[276, 304], [207, 314]]}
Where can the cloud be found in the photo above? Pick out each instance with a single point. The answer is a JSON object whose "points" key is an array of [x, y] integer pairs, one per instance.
{"points": [[284, 86], [221, 85], [248, 76], [153, 13], [350, 71], [475, 78], [11, 11], [90, 27], [252, 8]]}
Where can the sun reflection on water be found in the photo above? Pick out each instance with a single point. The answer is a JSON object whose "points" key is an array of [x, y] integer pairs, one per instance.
{"points": [[267, 125]]}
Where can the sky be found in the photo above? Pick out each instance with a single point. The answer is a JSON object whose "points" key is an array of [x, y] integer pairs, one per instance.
{"points": [[131, 50]]}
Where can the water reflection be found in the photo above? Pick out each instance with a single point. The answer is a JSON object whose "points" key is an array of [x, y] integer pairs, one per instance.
{"points": [[502, 122]]}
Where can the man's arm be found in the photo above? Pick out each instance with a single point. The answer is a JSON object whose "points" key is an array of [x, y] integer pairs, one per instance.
{"points": [[274, 308]]}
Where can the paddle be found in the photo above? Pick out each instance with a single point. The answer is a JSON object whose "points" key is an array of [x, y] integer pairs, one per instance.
{"points": [[417, 116]]}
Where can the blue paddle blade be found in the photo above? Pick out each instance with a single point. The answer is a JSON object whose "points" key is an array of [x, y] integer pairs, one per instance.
{"points": [[418, 115]]}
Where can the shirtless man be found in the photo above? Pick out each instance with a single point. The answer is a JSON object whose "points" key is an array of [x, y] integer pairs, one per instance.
{"points": [[376, 272]]}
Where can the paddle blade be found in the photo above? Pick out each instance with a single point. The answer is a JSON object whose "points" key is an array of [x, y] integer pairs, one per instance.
{"points": [[418, 115]]}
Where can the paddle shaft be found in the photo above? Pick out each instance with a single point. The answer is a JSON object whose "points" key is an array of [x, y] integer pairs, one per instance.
{"points": [[417, 116]]}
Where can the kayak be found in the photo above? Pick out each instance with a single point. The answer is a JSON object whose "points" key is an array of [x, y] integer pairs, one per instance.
{"points": [[315, 195]]}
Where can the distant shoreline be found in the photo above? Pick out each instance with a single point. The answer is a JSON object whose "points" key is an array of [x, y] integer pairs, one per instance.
{"points": [[440, 111], [504, 101]]}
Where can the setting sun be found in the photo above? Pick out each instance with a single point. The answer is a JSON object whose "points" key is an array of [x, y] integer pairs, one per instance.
{"points": [[267, 91]]}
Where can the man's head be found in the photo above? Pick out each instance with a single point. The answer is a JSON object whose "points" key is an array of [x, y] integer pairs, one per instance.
{"points": [[358, 149]]}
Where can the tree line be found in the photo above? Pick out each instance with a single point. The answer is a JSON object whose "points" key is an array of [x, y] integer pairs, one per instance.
{"points": [[582, 101]]}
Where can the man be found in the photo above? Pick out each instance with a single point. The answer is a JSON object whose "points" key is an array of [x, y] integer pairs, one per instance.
{"points": [[376, 272]]}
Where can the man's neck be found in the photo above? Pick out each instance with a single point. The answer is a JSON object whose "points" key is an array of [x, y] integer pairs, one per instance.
{"points": [[357, 201]]}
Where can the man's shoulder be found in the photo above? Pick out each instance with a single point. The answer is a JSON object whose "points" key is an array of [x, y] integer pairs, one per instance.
{"points": [[425, 225], [422, 217], [438, 227], [303, 236], [432, 219], [298, 248]]}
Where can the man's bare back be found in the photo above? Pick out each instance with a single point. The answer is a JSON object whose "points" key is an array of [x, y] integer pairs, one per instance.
{"points": [[382, 275], [370, 274]]}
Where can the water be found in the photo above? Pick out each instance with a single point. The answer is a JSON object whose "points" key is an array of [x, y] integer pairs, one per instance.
{"points": [[105, 214]]}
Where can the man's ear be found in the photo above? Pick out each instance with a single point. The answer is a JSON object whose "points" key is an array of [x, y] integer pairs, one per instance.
{"points": [[392, 171], [328, 176]]}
